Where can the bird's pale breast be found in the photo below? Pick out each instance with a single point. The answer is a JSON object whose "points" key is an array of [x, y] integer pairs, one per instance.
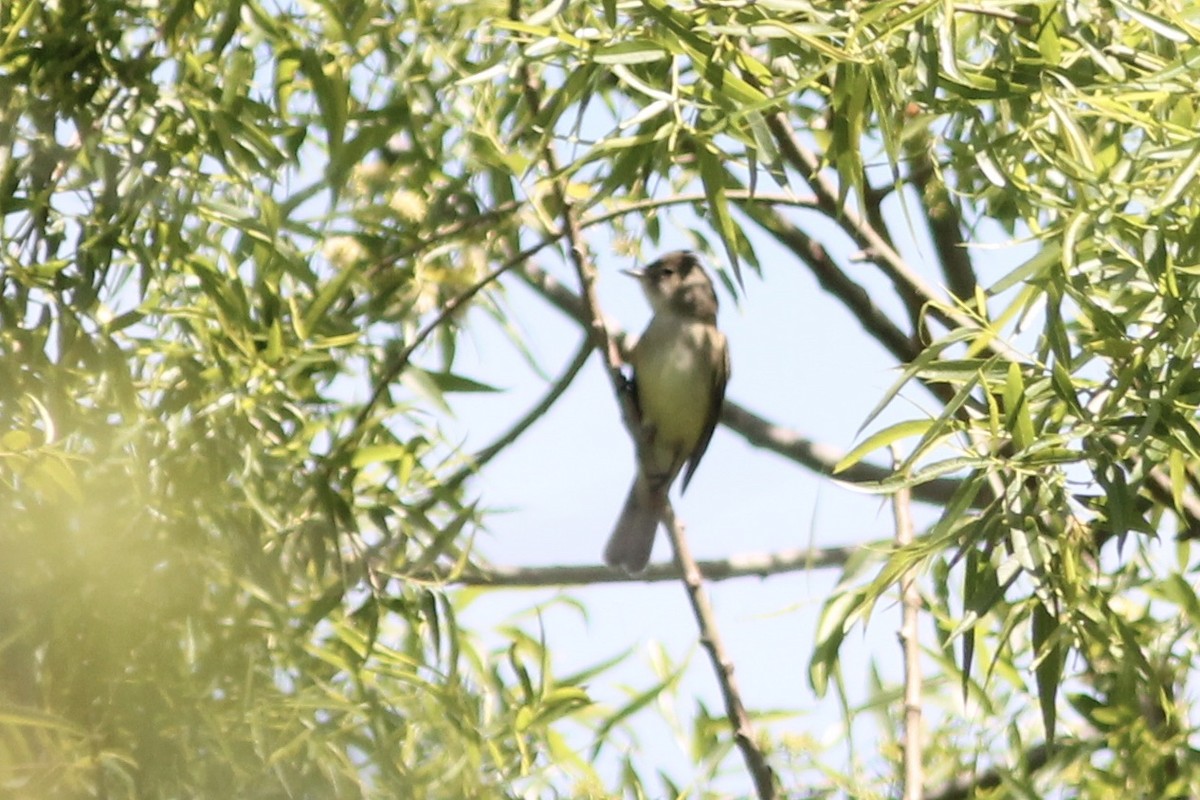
{"points": [[674, 364]]}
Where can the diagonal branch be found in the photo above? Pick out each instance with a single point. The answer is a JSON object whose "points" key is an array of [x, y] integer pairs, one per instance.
{"points": [[743, 731], [480, 459], [944, 221], [918, 295], [836, 282], [400, 362]]}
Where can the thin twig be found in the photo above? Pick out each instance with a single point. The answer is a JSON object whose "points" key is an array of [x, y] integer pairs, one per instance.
{"points": [[401, 361], [746, 565], [481, 458], [710, 637], [910, 602]]}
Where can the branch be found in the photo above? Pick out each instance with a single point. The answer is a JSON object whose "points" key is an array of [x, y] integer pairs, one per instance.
{"points": [[485, 455], [944, 221], [821, 458], [747, 565], [910, 601], [710, 637], [836, 282], [913, 289], [1160, 487], [910, 286], [401, 361], [764, 779], [965, 787]]}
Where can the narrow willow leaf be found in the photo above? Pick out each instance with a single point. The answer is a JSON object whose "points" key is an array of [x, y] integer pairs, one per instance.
{"points": [[1154, 22], [637, 51], [831, 630], [1179, 478], [1183, 181], [1032, 269], [883, 438], [330, 291], [928, 357], [1016, 408], [713, 177], [1049, 665]]}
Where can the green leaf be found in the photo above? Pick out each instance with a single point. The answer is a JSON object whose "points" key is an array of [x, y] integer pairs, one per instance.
{"points": [[15, 441], [1049, 665], [1033, 269], [712, 175], [636, 703], [831, 630], [1184, 180], [451, 382], [1018, 420], [57, 473], [851, 90], [637, 51], [926, 360], [1154, 22], [442, 542], [728, 87], [883, 438], [330, 291], [375, 453], [1179, 478]]}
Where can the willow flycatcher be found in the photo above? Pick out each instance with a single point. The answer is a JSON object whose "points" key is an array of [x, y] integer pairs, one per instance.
{"points": [[680, 368]]}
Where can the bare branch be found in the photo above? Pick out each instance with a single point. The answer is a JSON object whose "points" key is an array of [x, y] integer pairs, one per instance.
{"points": [[746, 565], [836, 282], [822, 458], [945, 223], [910, 602], [909, 285], [919, 296], [485, 455], [710, 637]]}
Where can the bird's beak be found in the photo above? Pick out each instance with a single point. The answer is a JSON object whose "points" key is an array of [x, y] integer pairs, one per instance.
{"points": [[636, 274]]}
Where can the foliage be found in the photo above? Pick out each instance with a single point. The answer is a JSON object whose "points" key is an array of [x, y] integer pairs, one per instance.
{"points": [[240, 241]]}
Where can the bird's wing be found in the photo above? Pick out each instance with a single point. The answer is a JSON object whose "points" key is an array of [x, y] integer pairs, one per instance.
{"points": [[717, 395]]}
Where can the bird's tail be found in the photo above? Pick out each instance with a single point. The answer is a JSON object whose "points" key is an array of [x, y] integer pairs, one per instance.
{"points": [[631, 542]]}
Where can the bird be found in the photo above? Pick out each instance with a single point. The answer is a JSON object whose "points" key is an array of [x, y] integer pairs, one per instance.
{"points": [[680, 370]]}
